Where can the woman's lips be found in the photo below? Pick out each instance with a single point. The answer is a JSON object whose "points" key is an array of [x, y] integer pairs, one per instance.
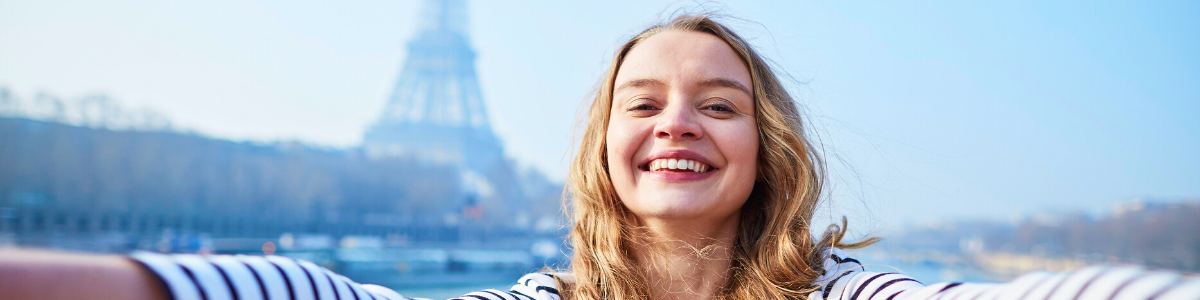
{"points": [[671, 164], [678, 175], [677, 166]]}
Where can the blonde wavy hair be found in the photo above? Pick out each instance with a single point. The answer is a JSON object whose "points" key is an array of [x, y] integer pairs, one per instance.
{"points": [[775, 256]]}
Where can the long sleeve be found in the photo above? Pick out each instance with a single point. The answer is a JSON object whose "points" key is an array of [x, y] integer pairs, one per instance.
{"points": [[846, 279], [243, 277], [246, 277]]}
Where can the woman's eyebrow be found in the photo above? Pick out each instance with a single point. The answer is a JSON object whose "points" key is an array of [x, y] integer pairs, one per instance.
{"points": [[636, 83], [726, 82], [712, 82]]}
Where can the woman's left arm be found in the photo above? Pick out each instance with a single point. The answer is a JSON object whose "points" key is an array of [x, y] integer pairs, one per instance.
{"points": [[846, 279]]}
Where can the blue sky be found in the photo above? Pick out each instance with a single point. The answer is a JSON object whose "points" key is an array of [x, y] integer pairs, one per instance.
{"points": [[926, 110]]}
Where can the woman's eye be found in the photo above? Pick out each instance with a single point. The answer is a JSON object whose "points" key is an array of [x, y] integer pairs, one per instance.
{"points": [[720, 108], [643, 106]]}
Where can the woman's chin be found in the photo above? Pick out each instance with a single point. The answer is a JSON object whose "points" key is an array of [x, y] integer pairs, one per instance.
{"points": [[682, 206]]}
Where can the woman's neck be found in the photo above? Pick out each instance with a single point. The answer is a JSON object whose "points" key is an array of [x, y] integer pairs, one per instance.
{"points": [[685, 260]]}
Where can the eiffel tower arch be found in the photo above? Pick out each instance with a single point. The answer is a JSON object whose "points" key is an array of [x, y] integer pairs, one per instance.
{"points": [[435, 111], [436, 114]]}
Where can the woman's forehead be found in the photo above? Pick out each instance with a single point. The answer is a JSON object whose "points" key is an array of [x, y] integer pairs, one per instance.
{"points": [[682, 57]]}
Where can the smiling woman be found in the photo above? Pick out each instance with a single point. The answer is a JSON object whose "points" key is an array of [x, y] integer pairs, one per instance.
{"points": [[694, 180], [692, 90]]}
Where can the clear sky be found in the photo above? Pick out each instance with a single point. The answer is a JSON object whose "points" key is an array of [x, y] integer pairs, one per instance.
{"points": [[926, 110]]}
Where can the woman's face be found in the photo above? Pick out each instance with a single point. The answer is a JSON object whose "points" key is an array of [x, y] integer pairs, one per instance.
{"points": [[682, 137]]}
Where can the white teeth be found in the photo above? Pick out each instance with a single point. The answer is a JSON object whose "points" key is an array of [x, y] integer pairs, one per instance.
{"points": [[678, 164]]}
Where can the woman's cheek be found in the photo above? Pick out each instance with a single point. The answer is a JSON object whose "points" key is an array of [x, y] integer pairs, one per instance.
{"points": [[620, 154]]}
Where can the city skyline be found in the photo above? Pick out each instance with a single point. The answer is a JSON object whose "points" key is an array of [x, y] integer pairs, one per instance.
{"points": [[1017, 107]]}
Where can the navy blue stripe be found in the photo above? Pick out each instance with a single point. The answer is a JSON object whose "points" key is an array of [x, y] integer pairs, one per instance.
{"points": [[493, 294], [948, 286], [844, 260], [311, 282], [203, 294], [352, 291], [829, 286], [1052, 290], [232, 289], [886, 284], [520, 293], [893, 296], [286, 280], [1164, 290], [546, 288], [1123, 285], [865, 284], [337, 295], [261, 286], [1089, 282]]}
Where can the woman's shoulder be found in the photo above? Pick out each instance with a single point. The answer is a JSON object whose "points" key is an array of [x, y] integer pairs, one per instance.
{"points": [[532, 286], [837, 261], [845, 277]]}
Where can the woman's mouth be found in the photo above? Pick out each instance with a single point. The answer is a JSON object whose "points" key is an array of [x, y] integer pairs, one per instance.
{"points": [[677, 165]]}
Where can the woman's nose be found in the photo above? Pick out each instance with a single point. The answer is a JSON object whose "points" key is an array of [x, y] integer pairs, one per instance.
{"points": [[678, 123]]}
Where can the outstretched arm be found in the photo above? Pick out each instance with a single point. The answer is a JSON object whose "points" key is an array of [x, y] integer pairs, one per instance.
{"points": [[846, 279], [42, 274]]}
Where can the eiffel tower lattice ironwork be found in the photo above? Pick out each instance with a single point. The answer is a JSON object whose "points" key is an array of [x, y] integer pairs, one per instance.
{"points": [[436, 110]]}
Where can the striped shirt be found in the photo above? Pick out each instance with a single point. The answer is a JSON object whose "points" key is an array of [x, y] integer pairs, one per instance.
{"points": [[242, 277]]}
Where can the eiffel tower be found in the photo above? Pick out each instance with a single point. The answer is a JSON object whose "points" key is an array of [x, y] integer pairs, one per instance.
{"points": [[435, 112]]}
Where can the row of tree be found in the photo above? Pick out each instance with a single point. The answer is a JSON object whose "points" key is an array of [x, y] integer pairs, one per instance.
{"points": [[1159, 235], [51, 165]]}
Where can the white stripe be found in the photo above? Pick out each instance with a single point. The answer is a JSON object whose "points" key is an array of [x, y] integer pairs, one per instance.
{"points": [[300, 284], [325, 291], [358, 290], [1145, 285], [1075, 282], [956, 291], [1185, 290], [384, 293], [925, 292], [895, 287], [483, 294], [839, 287], [210, 279], [180, 285], [1015, 289], [1044, 286], [1104, 286], [977, 290], [272, 279], [245, 285], [342, 287], [505, 295], [853, 281]]}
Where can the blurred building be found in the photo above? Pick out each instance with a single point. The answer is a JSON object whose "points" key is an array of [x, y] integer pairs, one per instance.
{"points": [[430, 171]]}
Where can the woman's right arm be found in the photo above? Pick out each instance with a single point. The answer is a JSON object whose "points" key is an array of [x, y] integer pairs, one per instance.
{"points": [[42, 274]]}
